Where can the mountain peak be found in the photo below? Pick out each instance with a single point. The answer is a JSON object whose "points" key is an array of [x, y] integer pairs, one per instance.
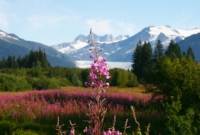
{"points": [[103, 39], [6, 36], [81, 37]]}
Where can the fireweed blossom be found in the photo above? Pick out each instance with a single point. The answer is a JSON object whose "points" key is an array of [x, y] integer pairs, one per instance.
{"points": [[98, 72]]}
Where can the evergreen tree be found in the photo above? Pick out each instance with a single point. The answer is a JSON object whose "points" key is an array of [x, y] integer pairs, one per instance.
{"points": [[141, 59], [10, 62], [19, 61], [3, 63], [34, 59], [146, 54], [158, 51], [190, 53], [137, 60], [184, 54], [173, 51]]}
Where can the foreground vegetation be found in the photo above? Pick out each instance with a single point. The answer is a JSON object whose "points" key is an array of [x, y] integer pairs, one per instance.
{"points": [[38, 111]]}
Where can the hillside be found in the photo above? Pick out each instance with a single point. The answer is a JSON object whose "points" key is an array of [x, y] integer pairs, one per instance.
{"points": [[11, 44], [193, 42]]}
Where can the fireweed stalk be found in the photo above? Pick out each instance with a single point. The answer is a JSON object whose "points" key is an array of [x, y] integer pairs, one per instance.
{"points": [[98, 73], [96, 106]]}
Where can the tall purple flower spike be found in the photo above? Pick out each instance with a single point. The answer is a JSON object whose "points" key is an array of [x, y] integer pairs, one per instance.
{"points": [[99, 67]]}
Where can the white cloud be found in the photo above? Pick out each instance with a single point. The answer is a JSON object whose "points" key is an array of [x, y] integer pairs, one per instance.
{"points": [[102, 27]]}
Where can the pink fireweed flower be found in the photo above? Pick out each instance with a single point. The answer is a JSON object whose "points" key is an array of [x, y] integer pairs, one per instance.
{"points": [[85, 130], [107, 85], [93, 76], [98, 70], [118, 133], [103, 91], [86, 84], [109, 132], [99, 84], [72, 132]]}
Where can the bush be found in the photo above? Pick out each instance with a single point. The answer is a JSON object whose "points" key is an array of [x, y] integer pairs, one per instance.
{"points": [[41, 83], [122, 78], [74, 79], [12, 83]]}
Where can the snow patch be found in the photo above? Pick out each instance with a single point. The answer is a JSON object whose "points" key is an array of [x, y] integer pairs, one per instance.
{"points": [[79, 44], [3, 34]]}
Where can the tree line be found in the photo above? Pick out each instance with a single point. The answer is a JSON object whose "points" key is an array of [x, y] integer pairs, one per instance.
{"points": [[33, 59], [144, 57]]}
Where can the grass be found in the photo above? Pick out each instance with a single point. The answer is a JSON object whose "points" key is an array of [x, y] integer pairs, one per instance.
{"points": [[131, 90]]}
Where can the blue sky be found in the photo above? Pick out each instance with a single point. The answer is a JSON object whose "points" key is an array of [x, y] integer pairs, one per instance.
{"points": [[56, 21]]}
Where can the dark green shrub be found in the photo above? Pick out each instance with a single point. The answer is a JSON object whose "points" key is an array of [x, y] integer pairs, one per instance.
{"points": [[12, 83], [41, 83], [63, 82], [122, 78], [74, 79]]}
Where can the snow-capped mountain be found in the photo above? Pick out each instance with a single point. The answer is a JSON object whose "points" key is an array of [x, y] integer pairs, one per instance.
{"points": [[82, 41], [8, 37], [12, 45], [166, 34], [122, 47]]}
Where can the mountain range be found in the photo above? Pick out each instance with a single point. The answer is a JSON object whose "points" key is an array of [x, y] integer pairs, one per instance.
{"points": [[115, 49], [10, 44], [82, 41], [120, 49]]}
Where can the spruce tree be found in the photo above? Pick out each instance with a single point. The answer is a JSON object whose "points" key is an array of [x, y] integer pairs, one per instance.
{"points": [[33, 59], [142, 58], [146, 54], [137, 60], [173, 51], [158, 51], [184, 54], [190, 53]]}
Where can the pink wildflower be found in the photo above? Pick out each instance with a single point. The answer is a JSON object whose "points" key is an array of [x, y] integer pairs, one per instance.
{"points": [[72, 132], [107, 85]]}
